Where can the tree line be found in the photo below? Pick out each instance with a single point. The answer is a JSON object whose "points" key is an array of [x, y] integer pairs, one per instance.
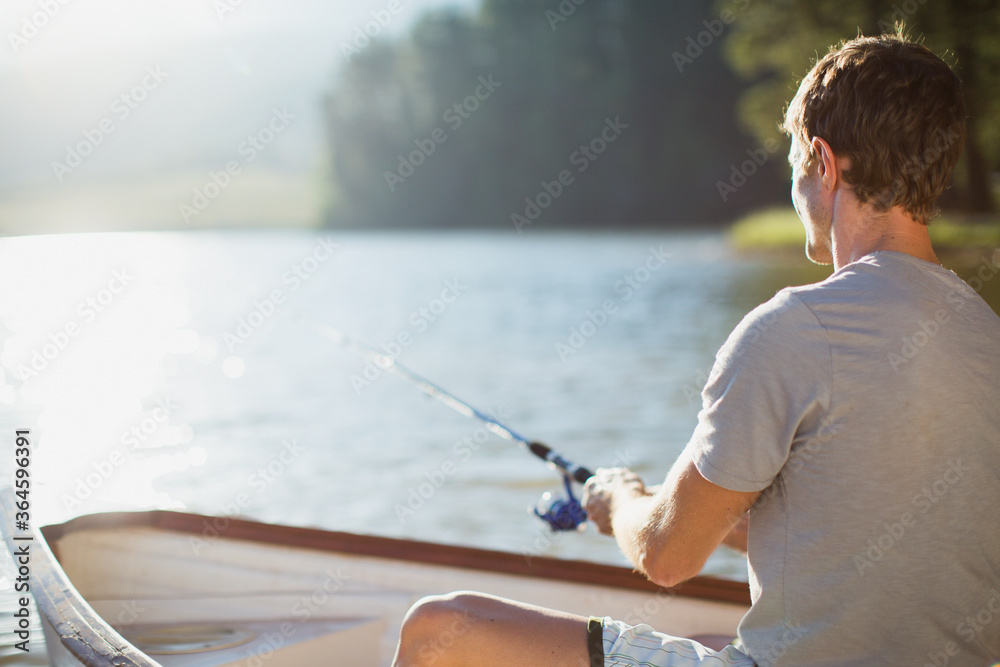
{"points": [[532, 114]]}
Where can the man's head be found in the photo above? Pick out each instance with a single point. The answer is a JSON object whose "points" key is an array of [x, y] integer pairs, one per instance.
{"points": [[892, 110]]}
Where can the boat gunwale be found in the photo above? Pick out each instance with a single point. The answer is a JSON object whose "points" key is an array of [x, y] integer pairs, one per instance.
{"points": [[82, 632], [414, 551]]}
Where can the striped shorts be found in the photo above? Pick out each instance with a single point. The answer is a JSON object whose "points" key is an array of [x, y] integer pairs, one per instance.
{"points": [[618, 644]]}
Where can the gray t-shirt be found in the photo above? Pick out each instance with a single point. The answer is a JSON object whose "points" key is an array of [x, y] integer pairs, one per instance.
{"points": [[867, 409]]}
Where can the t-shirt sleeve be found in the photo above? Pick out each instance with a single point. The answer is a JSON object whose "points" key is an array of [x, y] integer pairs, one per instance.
{"points": [[771, 377]]}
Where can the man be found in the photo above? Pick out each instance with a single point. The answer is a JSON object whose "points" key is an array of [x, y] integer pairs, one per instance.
{"points": [[856, 422]]}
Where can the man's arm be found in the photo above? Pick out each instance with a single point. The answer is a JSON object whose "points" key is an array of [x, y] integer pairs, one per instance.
{"points": [[670, 534], [737, 537]]}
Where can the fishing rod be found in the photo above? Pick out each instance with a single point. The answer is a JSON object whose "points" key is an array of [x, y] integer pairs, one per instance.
{"points": [[560, 513]]}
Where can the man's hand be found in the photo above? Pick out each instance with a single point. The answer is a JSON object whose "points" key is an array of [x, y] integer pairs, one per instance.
{"points": [[608, 487], [670, 533]]}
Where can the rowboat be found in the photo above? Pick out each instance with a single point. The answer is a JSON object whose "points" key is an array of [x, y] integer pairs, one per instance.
{"points": [[175, 589]]}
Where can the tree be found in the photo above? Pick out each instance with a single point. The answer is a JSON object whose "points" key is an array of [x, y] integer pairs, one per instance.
{"points": [[781, 39], [564, 71]]}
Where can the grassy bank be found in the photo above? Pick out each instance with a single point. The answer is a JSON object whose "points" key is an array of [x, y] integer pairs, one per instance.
{"points": [[780, 229]]}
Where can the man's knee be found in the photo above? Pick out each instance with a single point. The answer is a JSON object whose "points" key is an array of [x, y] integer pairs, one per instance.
{"points": [[436, 612], [437, 624]]}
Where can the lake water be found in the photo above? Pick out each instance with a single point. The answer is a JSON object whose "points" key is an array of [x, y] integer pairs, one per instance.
{"points": [[185, 371]]}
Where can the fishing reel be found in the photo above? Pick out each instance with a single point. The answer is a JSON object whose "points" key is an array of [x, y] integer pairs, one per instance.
{"points": [[562, 514]]}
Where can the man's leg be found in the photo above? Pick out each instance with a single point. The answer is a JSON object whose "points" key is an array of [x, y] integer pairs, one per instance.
{"points": [[476, 629]]}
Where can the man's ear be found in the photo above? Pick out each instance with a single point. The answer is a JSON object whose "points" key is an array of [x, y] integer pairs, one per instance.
{"points": [[826, 164]]}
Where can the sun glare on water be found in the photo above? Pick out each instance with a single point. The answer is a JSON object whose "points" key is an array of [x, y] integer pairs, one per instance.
{"points": [[94, 327]]}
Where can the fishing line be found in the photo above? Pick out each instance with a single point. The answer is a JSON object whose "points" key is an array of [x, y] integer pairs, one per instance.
{"points": [[560, 513]]}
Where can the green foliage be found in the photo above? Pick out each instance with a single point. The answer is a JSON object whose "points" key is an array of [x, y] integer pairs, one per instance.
{"points": [[951, 233], [780, 228], [773, 228], [697, 95], [780, 40], [562, 76]]}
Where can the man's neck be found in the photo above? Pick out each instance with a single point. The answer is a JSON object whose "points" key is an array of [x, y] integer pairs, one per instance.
{"points": [[855, 236]]}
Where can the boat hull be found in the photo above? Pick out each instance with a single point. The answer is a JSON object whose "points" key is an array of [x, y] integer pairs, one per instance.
{"points": [[175, 589]]}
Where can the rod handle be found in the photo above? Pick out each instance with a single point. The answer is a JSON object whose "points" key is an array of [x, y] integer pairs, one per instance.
{"points": [[544, 452]]}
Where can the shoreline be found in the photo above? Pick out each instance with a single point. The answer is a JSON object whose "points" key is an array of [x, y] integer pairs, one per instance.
{"points": [[779, 231]]}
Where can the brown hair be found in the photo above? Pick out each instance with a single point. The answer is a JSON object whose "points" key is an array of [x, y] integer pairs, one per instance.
{"points": [[894, 109]]}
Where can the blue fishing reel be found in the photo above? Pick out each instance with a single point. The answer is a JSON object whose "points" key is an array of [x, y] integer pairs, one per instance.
{"points": [[561, 514]]}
